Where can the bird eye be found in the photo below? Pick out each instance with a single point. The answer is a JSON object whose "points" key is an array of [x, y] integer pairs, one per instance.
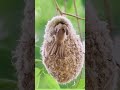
{"points": [[63, 30]]}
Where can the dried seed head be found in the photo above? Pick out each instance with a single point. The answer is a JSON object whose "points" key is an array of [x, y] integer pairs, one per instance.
{"points": [[66, 61]]}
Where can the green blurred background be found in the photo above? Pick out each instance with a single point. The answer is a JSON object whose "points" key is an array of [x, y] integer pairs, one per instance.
{"points": [[11, 15], [44, 11]]}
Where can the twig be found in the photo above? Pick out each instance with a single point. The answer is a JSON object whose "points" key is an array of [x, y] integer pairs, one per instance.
{"points": [[65, 6], [73, 16], [57, 7], [63, 13], [77, 19]]}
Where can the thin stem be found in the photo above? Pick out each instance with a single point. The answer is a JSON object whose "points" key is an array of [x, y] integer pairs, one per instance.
{"points": [[63, 13], [73, 16], [65, 6], [77, 19], [57, 7]]}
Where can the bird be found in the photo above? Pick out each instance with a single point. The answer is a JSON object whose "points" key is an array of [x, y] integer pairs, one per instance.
{"points": [[62, 50], [60, 36]]}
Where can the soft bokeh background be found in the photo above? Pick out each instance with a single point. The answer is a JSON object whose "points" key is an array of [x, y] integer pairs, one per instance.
{"points": [[11, 15], [44, 11]]}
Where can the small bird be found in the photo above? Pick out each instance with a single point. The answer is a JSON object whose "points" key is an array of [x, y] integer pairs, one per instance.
{"points": [[60, 36], [62, 50]]}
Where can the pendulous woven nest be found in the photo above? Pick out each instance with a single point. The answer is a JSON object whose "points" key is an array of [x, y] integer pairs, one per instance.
{"points": [[68, 68]]}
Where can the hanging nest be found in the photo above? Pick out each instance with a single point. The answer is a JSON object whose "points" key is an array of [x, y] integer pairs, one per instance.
{"points": [[66, 67]]}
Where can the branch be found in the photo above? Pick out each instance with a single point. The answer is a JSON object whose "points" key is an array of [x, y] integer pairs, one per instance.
{"points": [[63, 13], [65, 5], [57, 7], [73, 16], [77, 19]]}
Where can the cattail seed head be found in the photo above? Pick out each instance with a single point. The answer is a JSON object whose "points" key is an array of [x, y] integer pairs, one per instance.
{"points": [[67, 67]]}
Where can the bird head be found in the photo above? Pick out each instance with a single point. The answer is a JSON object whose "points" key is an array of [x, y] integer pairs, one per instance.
{"points": [[61, 28]]}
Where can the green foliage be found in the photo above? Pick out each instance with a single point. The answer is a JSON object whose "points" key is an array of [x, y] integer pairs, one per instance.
{"points": [[44, 11]]}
